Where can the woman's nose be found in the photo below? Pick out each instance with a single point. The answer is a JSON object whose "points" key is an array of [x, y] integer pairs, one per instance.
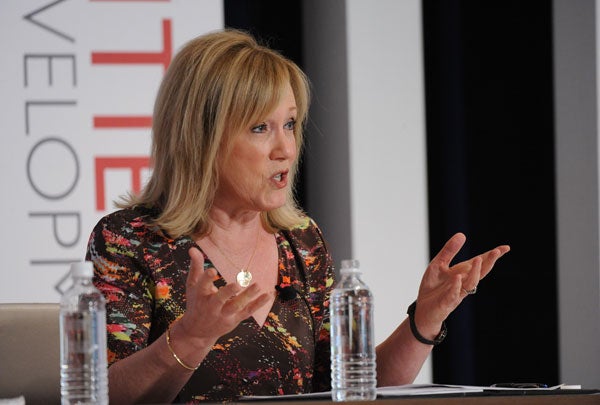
{"points": [[285, 145]]}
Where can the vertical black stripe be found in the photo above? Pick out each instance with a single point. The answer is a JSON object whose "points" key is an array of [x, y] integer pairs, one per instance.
{"points": [[489, 108]]}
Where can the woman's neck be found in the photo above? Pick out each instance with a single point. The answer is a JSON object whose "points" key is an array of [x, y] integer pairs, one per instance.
{"points": [[228, 221], [235, 234]]}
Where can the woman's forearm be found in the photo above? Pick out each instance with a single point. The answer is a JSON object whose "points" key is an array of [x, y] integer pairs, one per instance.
{"points": [[153, 374], [400, 357]]}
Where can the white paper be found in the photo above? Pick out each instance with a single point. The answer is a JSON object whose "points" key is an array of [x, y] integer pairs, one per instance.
{"points": [[412, 390]]}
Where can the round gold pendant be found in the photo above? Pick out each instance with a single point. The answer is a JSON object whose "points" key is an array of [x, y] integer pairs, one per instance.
{"points": [[244, 278]]}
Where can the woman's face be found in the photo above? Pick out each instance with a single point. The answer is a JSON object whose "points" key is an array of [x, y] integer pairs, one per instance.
{"points": [[255, 174]]}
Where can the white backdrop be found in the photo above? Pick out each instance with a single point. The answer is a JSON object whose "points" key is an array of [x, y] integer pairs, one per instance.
{"points": [[77, 86], [387, 154]]}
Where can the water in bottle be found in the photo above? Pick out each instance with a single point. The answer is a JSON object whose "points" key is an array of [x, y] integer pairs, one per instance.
{"points": [[83, 363], [353, 367]]}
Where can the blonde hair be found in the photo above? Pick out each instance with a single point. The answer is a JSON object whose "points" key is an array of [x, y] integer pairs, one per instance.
{"points": [[217, 84]]}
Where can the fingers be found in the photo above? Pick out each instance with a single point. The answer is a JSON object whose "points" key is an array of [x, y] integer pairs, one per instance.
{"points": [[229, 291], [489, 258], [472, 278], [198, 278], [231, 298], [246, 302], [483, 264], [196, 267], [261, 300], [450, 249], [475, 269]]}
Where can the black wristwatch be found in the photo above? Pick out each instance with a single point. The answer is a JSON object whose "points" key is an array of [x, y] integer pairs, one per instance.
{"points": [[413, 328]]}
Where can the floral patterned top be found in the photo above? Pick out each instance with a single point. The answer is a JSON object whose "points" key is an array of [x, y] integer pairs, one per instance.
{"points": [[142, 273]]}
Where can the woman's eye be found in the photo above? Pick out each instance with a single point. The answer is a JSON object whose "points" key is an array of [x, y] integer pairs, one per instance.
{"points": [[259, 128], [290, 125]]}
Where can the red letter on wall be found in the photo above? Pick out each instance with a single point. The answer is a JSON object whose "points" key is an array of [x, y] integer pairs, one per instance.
{"points": [[136, 164], [162, 57], [140, 58], [129, 121]]}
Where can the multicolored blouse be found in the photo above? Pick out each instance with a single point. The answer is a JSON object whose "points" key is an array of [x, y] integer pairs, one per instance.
{"points": [[142, 274]]}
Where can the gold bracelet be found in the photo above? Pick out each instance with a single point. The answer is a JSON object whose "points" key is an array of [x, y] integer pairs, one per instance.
{"points": [[176, 356]]}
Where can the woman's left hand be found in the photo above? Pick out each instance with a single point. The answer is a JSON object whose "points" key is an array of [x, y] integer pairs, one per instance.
{"points": [[443, 287]]}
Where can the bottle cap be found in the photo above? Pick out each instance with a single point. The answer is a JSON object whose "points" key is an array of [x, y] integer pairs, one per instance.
{"points": [[350, 265], [82, 269]]}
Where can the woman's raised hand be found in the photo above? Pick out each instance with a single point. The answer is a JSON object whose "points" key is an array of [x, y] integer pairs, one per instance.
{"points": [[443, 287], [212, 312]]}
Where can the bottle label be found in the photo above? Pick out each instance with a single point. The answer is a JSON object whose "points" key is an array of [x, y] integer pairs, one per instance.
{"points": [[351, 320], [84, 339]]}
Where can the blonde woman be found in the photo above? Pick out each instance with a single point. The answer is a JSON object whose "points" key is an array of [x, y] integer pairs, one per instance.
{"points": [[194, 267]]}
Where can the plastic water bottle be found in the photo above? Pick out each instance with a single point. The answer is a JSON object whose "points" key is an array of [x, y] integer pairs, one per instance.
{"points": [[353, 366], [83, 364]]}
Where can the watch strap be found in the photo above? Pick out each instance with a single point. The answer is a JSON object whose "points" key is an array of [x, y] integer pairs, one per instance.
{"points": [[413, 328]]}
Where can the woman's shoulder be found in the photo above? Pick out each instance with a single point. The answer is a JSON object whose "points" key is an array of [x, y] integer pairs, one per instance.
{"points": [[129, 219], [135, 225], [307, 236], [312, 252], [132, 233], [306, 225]]}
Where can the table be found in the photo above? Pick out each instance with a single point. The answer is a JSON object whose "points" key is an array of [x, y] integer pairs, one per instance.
{"points": [[582, 397]]}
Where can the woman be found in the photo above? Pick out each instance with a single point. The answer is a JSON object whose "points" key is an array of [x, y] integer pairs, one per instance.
{"points": [[191, 268]]}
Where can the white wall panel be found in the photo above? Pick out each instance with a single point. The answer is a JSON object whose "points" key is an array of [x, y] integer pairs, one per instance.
{"points": [[387, 154], [51, 88], [366, 153]]}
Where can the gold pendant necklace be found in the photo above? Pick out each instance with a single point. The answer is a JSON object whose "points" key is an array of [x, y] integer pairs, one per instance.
{"points": [[243, 277]]}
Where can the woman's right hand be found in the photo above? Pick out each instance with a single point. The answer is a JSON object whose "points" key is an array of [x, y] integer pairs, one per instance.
{"points": [[212, 312]]}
